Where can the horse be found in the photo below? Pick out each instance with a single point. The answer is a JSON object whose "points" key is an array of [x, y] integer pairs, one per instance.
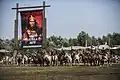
{"points": [[85, 58], [19, 59], [40, 59], [47, 59], [6, 59], [96, 59], [108, 58], [61, 59], [101, 59], [24, 59], [93, 58], [90, 59], [34, 60], [68, 59], [10, 60], [75, 58], [29, 60], [55, 60]]}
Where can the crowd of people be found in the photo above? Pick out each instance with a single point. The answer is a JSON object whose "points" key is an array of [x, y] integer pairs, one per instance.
{"points": [[63, 58]]}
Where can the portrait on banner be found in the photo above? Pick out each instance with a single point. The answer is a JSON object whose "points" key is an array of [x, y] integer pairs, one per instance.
{"points": [[32, 33]]}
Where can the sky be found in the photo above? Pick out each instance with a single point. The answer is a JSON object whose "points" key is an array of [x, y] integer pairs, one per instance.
{"points": [[66, 18]]}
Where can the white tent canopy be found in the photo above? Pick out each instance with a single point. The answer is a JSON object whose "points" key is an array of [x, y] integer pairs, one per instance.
{"points": [[78, 47], [118, 47], [104, 47], [72, 47], [3, 51], [64, 48]]}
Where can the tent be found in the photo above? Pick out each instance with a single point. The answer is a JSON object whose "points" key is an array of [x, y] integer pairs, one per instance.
{"points": [[104, 47], [78, 47], [3, 51], [118, 47], [72, 47]]}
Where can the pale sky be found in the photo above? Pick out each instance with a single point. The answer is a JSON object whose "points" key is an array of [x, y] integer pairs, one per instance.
{"points": [[67, 18]]}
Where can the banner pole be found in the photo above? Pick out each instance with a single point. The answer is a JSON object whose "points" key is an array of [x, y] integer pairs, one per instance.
{"points": [[16, 33], [16, 28], [44, 27]]}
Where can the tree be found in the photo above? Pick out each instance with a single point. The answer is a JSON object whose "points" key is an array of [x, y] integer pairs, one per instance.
{"points": [[110, 39], [105, 39], [94, 40], [75, 42], [89, 40], [53, 39], [71, 42], [65, 42], [1, 44], [60, 41], [57, 41], [99, 41], [116, 38], [81, 38]]}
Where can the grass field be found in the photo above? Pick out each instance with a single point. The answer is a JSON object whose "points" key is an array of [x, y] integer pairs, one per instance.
{"points": [[60, 73]]}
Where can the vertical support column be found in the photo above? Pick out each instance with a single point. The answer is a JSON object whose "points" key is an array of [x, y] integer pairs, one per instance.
{"points": [[109, 41], [15, 50], [45, 32], [91, 43], [109, 44], [86, 42], [14, 33], [16, 28], [44, 26]]}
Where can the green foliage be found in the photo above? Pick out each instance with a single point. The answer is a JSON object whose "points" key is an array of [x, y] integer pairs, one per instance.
{"points": [[94, 41], [82, 38], [100, 42], [116, 38], [111, 39]]}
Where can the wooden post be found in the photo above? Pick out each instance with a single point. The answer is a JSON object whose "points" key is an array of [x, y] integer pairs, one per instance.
{"points": [[15, 34], [45, 32], [109, 44], [109, 41], [15, 40], [16, 28], [44, 27], [86, 40]]}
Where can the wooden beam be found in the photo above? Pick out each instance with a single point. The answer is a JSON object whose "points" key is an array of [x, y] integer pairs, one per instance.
{"points": [[32, 7], [30, 10]]}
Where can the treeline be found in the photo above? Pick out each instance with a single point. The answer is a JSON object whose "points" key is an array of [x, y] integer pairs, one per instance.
{"points": [[83, 38], [80, 40]]}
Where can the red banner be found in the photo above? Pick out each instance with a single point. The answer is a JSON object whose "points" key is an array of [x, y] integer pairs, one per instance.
{"points": [[32, 33]]}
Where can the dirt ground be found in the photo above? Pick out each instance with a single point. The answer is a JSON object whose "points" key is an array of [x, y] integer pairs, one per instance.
{"points": [[60, 73]]}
